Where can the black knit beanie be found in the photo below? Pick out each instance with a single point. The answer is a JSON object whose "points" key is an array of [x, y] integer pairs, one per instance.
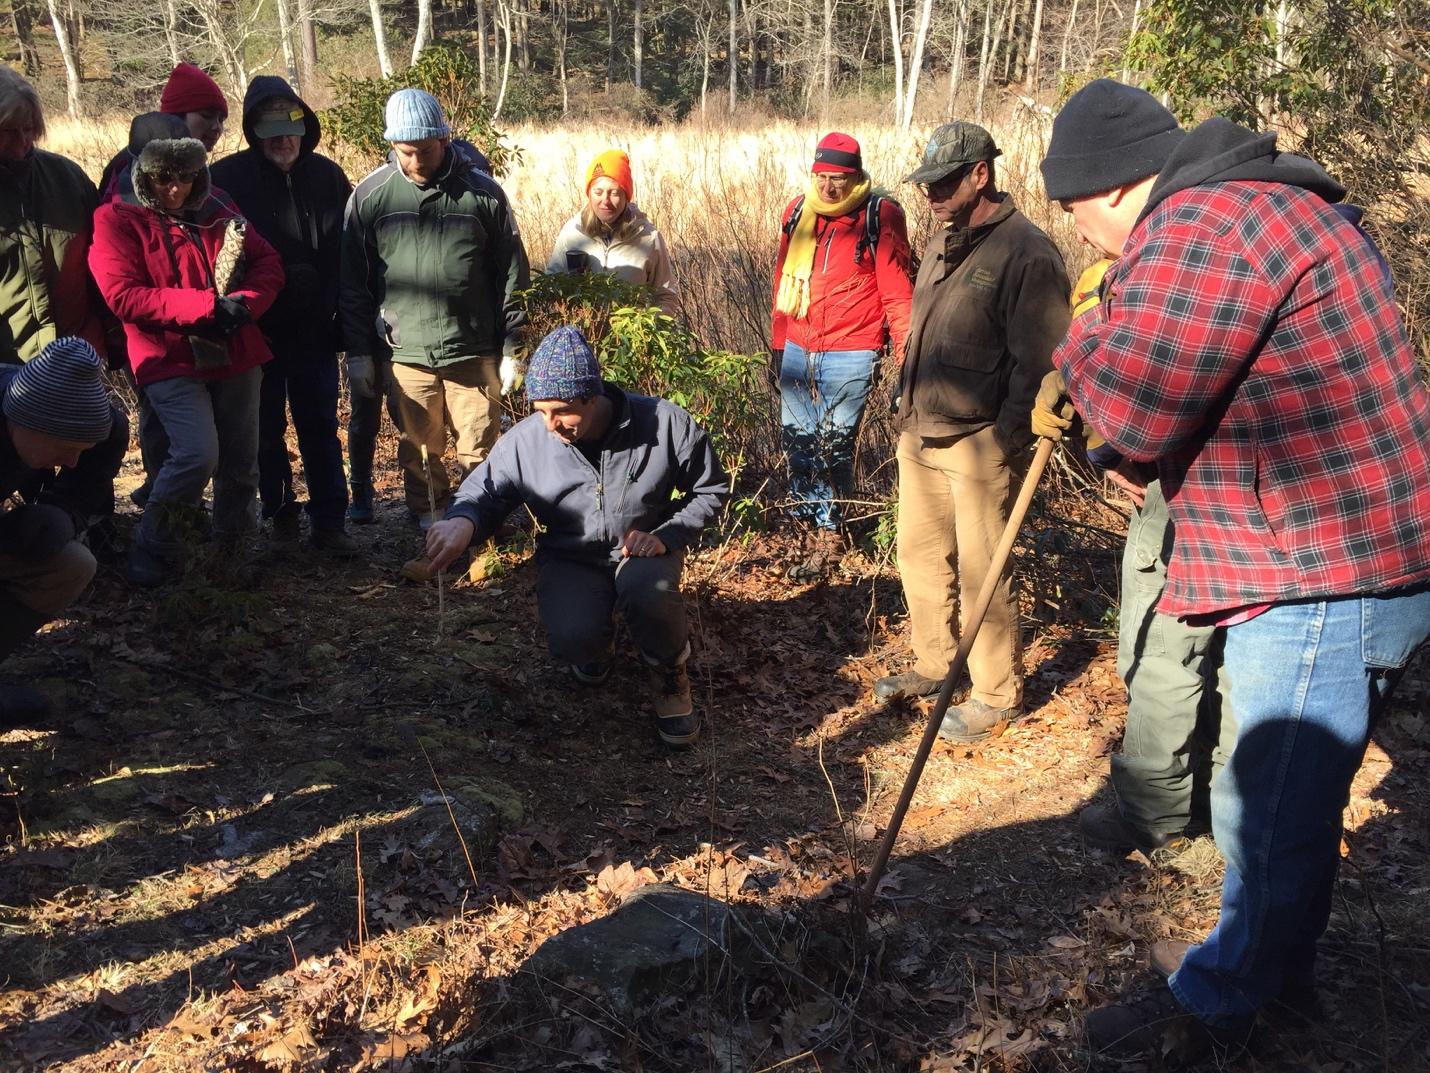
{"points": [[1107, 135], [60, 392]]}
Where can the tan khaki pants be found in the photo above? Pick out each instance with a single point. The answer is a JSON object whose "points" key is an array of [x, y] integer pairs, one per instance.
{"points": [[954, 495], [464, 397], [50, 585]]}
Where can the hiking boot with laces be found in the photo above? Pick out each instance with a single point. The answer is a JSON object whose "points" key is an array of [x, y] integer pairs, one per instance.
{"points": [[1105, 827], [974, 720], [906, 686], [592, 674], [360, 509], [675, 718], [1156, 1026], [334, 542]]}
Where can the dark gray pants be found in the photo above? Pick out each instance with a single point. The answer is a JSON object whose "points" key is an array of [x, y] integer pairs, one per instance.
{"points": [[1179, 733], [577, 602]]}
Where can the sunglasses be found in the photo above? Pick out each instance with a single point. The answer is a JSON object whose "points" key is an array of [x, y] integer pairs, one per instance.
{"points": [[165, 178]]}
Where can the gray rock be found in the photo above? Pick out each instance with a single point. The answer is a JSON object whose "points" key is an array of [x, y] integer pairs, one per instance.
{"points": [[657, 942]]}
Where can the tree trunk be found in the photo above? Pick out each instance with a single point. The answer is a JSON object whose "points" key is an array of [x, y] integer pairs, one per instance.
{"points": [[482, 47], [424, 28], [1067, 38], [22, 17], [503, 20], [307, 47], [637, 45], [285, 38], [379, 37], [983, 59], [1030, 79], [896, 46], [1136, 18], [521, 14], [610, 43], [956, 62], [734, 52], [826, 50], [916, 64], [66, 47]]}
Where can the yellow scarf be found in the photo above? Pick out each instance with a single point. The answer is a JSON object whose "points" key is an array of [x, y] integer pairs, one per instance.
{"points": [[793, 296]]}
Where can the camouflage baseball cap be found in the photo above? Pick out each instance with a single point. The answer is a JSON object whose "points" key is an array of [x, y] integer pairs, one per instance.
{"points": [[952, 146]]}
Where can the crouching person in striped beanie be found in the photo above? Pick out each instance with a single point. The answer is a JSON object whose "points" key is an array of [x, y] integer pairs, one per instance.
{"points": [[54, 410], [621, 485]]}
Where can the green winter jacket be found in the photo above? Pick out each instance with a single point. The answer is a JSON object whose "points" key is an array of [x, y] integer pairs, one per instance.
{"points": [[46, 218], [429, 273]]}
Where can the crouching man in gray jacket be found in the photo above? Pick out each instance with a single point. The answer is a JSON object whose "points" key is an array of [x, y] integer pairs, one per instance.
{"points": [[622, 485]]}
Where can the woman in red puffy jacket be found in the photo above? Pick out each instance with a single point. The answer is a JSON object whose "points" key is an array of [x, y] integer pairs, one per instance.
{"points": [[186, 277]]}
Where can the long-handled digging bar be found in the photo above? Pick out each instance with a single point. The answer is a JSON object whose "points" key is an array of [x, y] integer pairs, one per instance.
{"points": [[971, 626]]}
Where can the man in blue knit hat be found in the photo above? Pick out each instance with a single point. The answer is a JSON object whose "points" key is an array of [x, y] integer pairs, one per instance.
{"points": [[621, 485], [431, 263], [53, 412]]}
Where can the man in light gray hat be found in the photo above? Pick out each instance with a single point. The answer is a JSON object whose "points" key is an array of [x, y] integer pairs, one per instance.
{"points": [[990, 304]]}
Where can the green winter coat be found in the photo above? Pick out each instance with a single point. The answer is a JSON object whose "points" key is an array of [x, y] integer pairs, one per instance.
{"points": [[429, 273], [47, 208]]}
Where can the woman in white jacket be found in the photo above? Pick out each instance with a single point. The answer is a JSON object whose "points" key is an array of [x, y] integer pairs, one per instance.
{"points": [[611, 235]]}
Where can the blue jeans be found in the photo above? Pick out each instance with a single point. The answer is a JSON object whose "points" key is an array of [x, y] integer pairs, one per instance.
{"points": [[305, 381], [822, 397], [1307, 681], [213, 432]]}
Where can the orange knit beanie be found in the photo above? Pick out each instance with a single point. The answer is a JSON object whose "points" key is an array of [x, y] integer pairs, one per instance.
{"points": [[612, 164]]}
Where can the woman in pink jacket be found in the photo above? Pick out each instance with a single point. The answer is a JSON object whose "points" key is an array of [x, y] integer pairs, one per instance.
{"points": [[188, 280]]}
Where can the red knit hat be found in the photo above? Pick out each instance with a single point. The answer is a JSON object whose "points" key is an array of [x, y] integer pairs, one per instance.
{"points": [[191, 90], [837, 152]]}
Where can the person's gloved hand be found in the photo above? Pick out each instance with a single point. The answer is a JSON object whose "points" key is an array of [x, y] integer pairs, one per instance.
{"points": [[35, 532], [513, 366], [230, 315], [362, 375], [1053, 413]]}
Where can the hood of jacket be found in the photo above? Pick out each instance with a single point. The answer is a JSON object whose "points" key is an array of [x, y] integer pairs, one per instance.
{"points": [[263, 89], [171, 154], [1220, 151]]}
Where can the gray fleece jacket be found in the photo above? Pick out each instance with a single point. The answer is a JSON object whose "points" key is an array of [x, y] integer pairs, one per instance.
{"points": [[655, 472]]}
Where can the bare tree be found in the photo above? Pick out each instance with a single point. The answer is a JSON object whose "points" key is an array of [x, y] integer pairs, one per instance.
{"points": [[66, 46], [1030, 79], [637, 44], [307, 47], [734, 52], [285, 36], [424, 28], [379, 38], [916, 63], [22, 18]]}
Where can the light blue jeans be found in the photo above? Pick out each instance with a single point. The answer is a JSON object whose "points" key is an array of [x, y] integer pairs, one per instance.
{"points": [[213, 433], [822, 398], [1307, 681]]}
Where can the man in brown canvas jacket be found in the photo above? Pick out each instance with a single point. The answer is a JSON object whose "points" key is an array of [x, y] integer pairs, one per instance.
{"points": [[990, 304]]}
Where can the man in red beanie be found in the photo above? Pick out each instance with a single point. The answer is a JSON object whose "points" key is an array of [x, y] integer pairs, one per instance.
{"points": [[841, 289]]}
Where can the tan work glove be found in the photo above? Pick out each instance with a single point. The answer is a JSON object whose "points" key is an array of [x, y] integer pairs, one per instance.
{"points": [[1053, 413]]}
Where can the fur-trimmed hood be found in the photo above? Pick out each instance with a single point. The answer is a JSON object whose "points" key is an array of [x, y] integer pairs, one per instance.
{"points": [[172, 154]]}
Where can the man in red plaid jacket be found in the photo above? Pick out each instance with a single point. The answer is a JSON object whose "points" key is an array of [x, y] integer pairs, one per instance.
{"points": [[1248, 344]]}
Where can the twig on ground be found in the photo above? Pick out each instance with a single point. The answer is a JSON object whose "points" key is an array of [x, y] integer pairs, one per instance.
{"points": [[432, 516], [472, 868]]}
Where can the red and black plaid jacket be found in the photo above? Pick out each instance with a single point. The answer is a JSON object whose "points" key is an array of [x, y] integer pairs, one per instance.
{"points": [[1249, 343]]}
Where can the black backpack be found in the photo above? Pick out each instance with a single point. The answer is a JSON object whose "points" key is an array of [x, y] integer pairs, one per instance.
{"points": [[870, 241]]}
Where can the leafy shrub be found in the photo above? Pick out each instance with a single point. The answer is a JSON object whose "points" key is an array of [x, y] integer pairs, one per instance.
{"points": [[651, 353], [450, 75]]}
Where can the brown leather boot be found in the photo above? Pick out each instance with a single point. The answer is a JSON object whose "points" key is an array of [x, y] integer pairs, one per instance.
{"points": [[675, 718]]}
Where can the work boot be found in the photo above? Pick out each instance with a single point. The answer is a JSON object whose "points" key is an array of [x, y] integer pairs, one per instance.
{"points": [[975, 721], [287, 528], [360, 511], [675, 718], [1156, 1026], [906, 686], [825, 555], [1105, 827], [592, 674], [21, 706], [335, 542], [145, 570], [1166, 956]]}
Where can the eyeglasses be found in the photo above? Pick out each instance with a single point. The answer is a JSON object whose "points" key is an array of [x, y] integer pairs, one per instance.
{"points": [[165, 178]]}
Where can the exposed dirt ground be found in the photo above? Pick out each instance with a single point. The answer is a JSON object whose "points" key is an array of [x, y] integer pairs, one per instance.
{"points": [[231, 850]]}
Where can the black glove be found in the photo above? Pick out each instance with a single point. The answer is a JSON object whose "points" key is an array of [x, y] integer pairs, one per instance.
{"points": [[230, 315], [35, 532]]}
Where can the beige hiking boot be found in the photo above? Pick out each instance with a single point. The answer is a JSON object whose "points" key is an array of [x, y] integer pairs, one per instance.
{"points": [[675, 718]]}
